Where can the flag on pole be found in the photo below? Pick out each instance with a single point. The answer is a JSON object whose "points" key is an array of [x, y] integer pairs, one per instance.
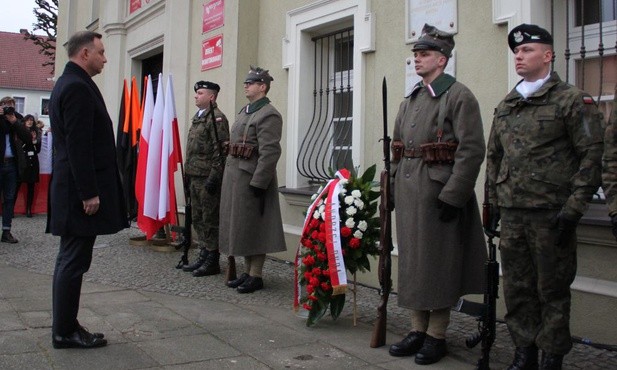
{"points": [[148, 225], [126, 145], [170, 157]]}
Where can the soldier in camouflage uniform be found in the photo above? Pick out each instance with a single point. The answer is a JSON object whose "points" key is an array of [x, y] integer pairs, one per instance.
{"points": [[544, 162], [204, 168], [609, 166]]}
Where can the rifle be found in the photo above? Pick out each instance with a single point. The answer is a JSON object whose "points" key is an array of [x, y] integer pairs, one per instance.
{"points": [[384, 271], [187, 238], [486, 311], [231, 260]]}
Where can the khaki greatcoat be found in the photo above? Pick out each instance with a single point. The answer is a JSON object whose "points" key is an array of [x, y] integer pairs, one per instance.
{"points": [[438, 261], [244, 231]]}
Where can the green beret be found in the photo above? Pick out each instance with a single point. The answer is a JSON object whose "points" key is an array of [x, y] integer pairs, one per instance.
{"points": [[435, 39], [528, 33]]}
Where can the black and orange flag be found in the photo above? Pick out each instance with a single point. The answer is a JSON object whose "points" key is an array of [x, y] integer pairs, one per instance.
{"points": [[127, 139]]}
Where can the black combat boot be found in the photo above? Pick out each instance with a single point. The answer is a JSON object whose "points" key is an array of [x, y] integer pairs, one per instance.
{"points": [[203, 253], [432, 351], [210, 266], [525, 358], [551, 361], [409, 345]]}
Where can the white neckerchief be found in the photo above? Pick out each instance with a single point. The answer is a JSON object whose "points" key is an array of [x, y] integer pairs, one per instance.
{"points": [[200, 112], [527, 88]]}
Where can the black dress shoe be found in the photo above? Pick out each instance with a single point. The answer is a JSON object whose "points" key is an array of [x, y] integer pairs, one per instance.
{"points": [[551, 361], [525, 358], [409, 345], [251, 284], [96, 335], [236, 283], [7, 237], [432, 351], [80, 338]]}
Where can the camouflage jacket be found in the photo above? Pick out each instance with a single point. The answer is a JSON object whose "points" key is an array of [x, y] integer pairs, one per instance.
{"points": [[203, 157], [545, 151], [609, 161]]}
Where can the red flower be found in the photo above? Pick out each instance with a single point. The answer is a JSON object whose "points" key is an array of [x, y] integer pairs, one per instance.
{"points": [[322, 226], [354, 243], [310, 289], [306, 307], [314, 281], [316, 271], [308, 260], [345, 232], [315, 235], [325, 272], [308, 275], [321, 256], [314, 223], [322, 237], [312, 298], [326, 287]]}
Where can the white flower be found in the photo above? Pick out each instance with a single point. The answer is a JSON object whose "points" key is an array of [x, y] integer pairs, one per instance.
{"points": [[358, 234], [349, 200], [343, 191], [359, 203], [362, 225], [351, 211], [321, 201], [350, 223], [356, 194], [314, 196], [322, 211], [316, 214]]}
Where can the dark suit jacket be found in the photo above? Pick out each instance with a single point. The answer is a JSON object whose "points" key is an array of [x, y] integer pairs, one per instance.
{"points": [[84, 162], [15, 131]]}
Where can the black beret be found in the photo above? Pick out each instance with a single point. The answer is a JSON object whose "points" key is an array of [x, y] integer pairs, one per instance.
{"points": [[206, 85], [527, 33], [257, 74], [435, 39]]}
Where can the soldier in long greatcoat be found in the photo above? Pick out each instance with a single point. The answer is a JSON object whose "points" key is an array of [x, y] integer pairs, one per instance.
{"points": [[250, 218], [441, 245]]}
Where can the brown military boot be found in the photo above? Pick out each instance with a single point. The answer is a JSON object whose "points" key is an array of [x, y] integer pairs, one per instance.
{"points": [[525, 358]]}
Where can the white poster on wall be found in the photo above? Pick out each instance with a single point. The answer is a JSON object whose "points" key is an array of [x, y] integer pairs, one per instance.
{"points": [[439, 13]]}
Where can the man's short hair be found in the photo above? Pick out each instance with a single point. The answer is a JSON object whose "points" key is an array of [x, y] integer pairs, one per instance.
{"points": [[79, 40], [7, 100]]}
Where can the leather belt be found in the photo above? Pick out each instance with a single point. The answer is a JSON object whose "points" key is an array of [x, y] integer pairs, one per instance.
{"points": [[412, 153]]}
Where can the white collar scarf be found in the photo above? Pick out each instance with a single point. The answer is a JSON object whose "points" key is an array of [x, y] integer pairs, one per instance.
{"points": [[527, 88]]}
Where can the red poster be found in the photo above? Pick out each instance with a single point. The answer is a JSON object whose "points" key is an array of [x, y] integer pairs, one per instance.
{"points": [[213, 15], [134, 5], [212, 53]]}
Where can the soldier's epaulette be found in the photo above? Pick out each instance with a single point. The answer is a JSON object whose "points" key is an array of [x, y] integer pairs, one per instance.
{"points": [[588, 99]]}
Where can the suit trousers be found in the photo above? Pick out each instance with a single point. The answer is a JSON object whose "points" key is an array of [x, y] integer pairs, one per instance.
{"points": [[73, 261]]}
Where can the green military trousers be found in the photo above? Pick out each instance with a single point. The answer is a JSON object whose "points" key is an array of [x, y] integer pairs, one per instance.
{"points": [[537, 275]]}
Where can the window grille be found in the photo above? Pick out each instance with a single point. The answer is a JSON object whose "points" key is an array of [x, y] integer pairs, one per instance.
{"points": [[327, 145]]}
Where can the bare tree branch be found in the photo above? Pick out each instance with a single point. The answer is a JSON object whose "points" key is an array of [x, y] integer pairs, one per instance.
{"points": [[46, 14]]}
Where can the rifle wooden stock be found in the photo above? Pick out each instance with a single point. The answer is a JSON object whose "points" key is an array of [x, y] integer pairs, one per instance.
{"points": [[231, 269]]}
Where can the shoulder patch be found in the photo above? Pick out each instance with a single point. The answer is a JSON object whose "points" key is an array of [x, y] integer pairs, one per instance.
{"points": [[587, 99], [219, 119]]}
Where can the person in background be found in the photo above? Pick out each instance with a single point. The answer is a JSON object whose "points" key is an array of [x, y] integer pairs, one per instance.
{"points": [[10, 128], [28, 161]]}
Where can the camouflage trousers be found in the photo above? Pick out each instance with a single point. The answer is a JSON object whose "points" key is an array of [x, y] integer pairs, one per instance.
{"points": [[205, 213], [536, 279]]}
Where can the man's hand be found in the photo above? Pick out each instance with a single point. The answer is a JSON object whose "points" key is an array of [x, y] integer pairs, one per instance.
{"points": [[493, 222], [448, 212], [91, 206]]}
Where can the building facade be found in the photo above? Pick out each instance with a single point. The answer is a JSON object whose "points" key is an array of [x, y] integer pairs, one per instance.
{"points": [[328, 59]]}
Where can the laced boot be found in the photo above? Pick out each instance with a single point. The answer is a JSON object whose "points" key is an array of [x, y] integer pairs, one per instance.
{"points": [[551, 361], [432, 351], [210, 266], [409, 345], [203, 253], [525, 358]]}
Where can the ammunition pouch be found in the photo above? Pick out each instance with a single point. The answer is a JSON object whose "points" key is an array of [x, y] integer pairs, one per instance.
{"points": [[438, 152], [242, 150]]}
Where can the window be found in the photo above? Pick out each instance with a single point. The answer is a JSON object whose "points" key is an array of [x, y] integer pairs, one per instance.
{"points": [[594, 10], [327, 145], [20, 104], [45, 107]]}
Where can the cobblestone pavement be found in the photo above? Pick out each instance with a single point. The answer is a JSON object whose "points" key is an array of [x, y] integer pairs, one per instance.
{"points": [[116, 263]]}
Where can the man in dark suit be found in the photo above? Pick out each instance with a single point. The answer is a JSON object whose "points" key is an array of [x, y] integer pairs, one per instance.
{"points": [[86, 195]]}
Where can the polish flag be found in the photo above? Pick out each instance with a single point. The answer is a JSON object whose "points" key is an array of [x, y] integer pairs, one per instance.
{"points": [[147, 224]]}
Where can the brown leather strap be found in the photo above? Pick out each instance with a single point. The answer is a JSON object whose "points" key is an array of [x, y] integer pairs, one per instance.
{"points": [[412, 153]]}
